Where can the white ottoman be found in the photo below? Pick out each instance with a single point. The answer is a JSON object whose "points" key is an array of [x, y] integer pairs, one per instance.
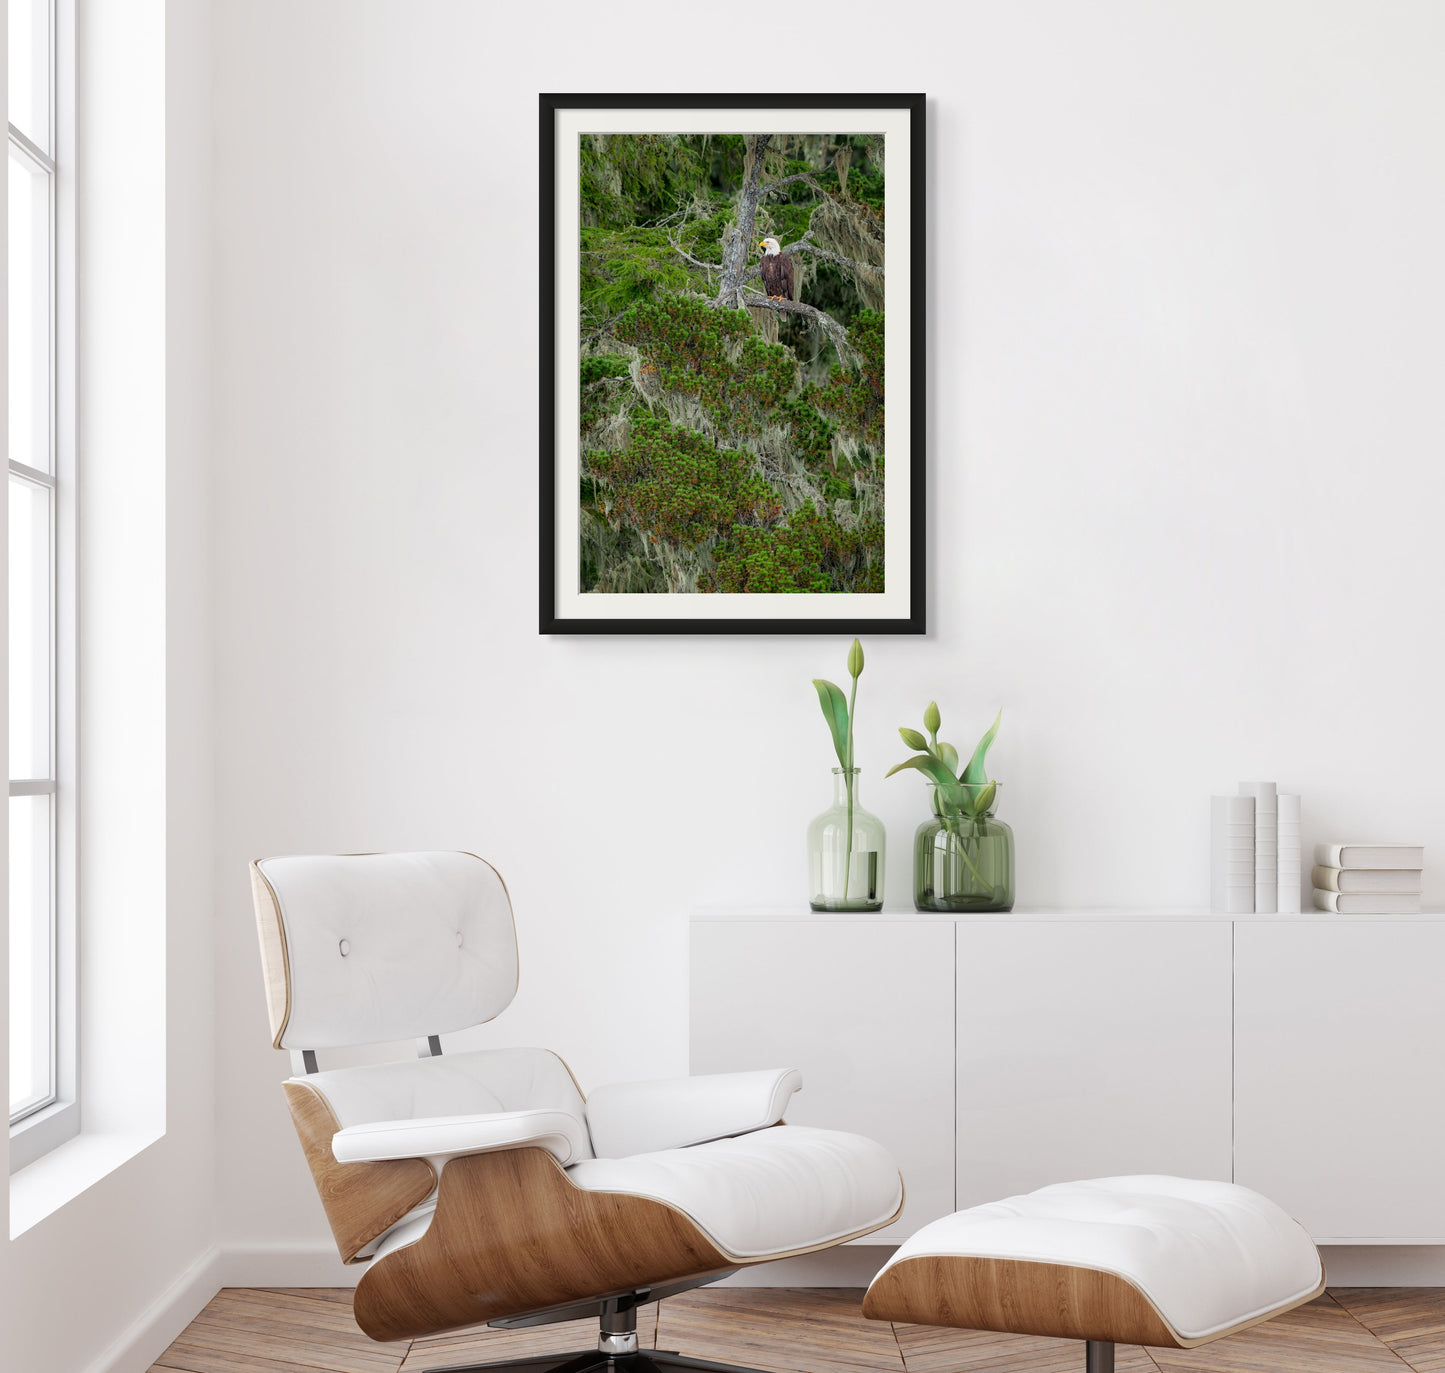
{"points": [[1143, 1260]]}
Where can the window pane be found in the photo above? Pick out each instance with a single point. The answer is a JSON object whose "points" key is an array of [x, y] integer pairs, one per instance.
{"points": [[29, 314], [31, 955], [30, 69], [30, 626]]}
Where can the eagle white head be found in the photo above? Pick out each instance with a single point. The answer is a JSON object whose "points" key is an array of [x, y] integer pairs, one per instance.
{"points": [[770, 246]]}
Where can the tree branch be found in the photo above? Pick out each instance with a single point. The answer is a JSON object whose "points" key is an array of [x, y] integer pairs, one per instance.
{"points": [[799, 176], [681, 215], [735, 246], [756, 300], [682, 252], [807, 242]]}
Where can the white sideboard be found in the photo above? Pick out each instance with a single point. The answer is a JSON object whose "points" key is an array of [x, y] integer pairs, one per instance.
{"points": [[1300, 1055], [865, 1008]]}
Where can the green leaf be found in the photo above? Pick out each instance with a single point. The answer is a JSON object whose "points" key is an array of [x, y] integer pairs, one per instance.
{"points": [[855, 659], [913, 738], [929, 766], [977, 771], [956, 795], [984, 799], [949, 754], [931, 718], [835, 712]]}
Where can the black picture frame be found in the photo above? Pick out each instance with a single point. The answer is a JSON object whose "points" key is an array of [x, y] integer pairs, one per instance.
{"points": [[914, 621]]}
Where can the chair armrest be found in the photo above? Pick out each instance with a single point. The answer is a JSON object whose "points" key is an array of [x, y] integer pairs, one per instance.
{"points": [[439, 1138], [643, 1117]]}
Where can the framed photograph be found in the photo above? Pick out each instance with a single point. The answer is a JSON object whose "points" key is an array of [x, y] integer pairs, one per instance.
{"points": [[724, 450]]}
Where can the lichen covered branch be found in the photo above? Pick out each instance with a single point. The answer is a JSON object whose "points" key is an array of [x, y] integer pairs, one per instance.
{"points": [[836, 333]]}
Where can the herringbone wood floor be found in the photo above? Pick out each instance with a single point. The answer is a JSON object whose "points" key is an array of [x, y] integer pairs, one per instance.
{"points": [[807, 1330]]}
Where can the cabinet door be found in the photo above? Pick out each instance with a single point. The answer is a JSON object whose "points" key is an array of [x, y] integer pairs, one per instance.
{"points": [[1091, 1049], [1340, 1074], [865, 1009]]}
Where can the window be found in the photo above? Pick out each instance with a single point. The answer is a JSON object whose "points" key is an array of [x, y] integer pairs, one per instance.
{"points": [[41, 897]]}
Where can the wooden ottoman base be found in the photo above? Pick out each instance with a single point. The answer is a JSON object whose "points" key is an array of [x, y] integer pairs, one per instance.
{"points": [[1152, 1261]]}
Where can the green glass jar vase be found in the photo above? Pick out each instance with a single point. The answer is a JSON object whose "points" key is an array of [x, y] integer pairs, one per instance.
{"points": [[844, 876], [963, 858]]}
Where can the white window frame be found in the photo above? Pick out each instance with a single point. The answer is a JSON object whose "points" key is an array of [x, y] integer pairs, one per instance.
{"points": [[46, 1124]]}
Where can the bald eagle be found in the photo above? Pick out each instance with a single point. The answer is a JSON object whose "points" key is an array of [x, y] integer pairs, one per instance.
{"points": [[777, 270]]}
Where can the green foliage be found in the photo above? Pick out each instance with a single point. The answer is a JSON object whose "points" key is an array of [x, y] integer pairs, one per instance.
{"points": [[787, 223], [835, 715], [809, 552], [840, 715], [865, 184], [970, 794], [715, 356], [976, 774], [838, 711], [812, 433], [674, 484], [636, 176], [698, 433], [622, 267], [854, 400], [606, 388], [601, 365]]}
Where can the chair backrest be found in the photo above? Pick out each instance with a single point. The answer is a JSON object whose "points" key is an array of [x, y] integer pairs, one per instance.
{"points": [[368, 948]]}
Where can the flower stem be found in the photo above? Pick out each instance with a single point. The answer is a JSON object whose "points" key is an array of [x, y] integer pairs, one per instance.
{"points": [[848, 782], [953, 828]]}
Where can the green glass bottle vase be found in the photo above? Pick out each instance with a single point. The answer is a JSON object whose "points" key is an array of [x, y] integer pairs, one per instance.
{"points": [[963, 861], [844, 876]]}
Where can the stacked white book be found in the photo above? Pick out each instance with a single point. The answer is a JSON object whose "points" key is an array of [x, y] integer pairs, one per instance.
{"points": [[1255, 851], [1232, 854], [1291, 866], [1368, 879]]}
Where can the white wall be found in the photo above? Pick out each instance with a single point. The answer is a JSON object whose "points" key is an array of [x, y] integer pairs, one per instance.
{"points": [[100, 1284], [1185, 480]]}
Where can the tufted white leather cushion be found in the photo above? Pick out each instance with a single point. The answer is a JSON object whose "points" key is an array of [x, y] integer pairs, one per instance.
{"points": [[479, 1082], [766, 1193], [391, 946], [1209, 1255], [641, 1117], [757, 1196]]}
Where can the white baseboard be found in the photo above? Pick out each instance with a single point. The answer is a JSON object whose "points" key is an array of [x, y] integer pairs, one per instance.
{"points": [[849, 1265], [1384, 1265], [145, 1339], [287, 1265]]}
